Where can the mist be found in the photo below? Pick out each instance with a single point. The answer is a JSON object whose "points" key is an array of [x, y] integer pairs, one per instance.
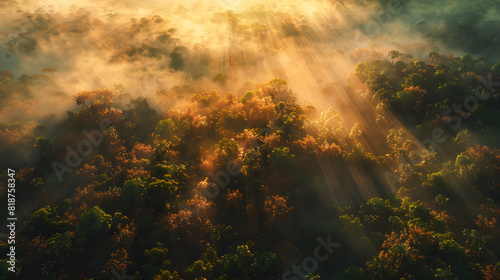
{"points": [[146, 48]]}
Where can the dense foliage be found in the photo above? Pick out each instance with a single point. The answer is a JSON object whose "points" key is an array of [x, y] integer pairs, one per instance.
{"points": [[240, 186]]}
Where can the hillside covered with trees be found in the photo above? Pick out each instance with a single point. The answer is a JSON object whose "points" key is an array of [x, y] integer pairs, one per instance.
{"points": [[229, 187]]}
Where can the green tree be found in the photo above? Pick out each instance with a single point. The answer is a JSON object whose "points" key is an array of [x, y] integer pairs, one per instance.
{"points": [[93, 224], [433, 55], [226, 150], [466, 59], [156, 258], [495, 70], [222, 236], [247, 96], [130, 193], [199, 269], [281, 158], [158, 193], [167, 275], [265, 265], [46, 221], [61, 246], [219, 78]]}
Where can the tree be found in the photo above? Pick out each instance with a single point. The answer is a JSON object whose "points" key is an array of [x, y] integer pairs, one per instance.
{"points": [[275, 208], [177, 61], [96, 97], [7, 74], [159, 193], [356, 131], [433, 54], [166, 129], [281, 158], [222, 235], [247, 96], [167, 275], [199, 269], [291, 26], [206, 99], [265, 265], [119, 260], [4, 81], [393, 55], [156, 258], [226, 150], [228, 266], [219, 78], [94, 223], [45, 221], [495, 70], [97, 107], [466, 59], [351, 273], [45, 147], [60, 245]]}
